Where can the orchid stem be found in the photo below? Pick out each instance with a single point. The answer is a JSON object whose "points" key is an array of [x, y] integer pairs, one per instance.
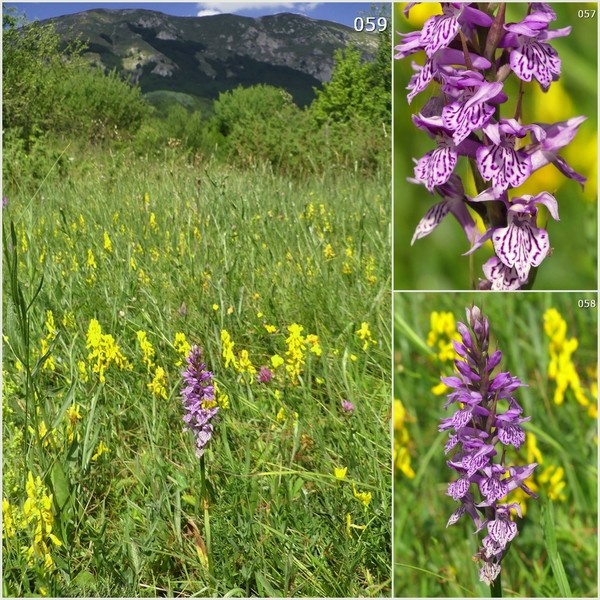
{"points": [[206, 514], [496, 587]]}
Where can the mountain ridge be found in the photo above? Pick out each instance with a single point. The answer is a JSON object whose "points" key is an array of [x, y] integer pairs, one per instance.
{"points": [[204, 56]]}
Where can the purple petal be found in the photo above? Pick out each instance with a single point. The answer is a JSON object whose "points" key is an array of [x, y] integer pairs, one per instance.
{"points": [[433, 217], [535, 59]]}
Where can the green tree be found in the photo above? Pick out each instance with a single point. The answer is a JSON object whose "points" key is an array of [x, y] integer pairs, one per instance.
{"points": [[358, 89], [49, 87]]}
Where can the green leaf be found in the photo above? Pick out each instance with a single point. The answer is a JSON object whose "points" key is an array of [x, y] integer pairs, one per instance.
{"points": [[60, 486], [551, 546]]}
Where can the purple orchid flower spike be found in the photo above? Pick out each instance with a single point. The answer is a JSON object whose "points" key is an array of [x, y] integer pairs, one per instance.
{"points": [[198, 399], [469, 54], [479, 426]]}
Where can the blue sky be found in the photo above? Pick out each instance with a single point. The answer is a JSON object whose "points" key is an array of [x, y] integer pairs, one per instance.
{"points": [[341, 12]]}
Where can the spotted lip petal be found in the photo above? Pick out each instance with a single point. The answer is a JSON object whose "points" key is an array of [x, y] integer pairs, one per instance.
{"points": [[420, 80], [504, 166], [521, 245], [535, 59], [439, 31], [467, 116], [502, 530], [434, 169]]}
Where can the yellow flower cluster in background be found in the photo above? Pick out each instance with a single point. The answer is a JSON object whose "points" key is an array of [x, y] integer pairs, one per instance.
{"points": [[296, 350], [182, 346], [35, 521], [562, 368], [158, 385], [104, 351], [146, 348], [401, 440], [364, 333], [441, 334]]}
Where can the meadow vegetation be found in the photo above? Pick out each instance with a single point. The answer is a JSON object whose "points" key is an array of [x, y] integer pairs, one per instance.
{"points": [[130, 234]]}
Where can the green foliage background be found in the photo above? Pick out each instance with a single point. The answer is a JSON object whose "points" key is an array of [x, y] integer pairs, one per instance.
{"points": [[435, 262]]}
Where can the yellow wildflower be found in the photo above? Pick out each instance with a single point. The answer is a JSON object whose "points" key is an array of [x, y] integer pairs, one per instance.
{"points": [[364, 497], [443, 331], [100, 451], [91, 261], [181, 346], [50, 326], [147, 349], [364, 333], [8, 520], [401, 440], [158, 384], [49, 362], [328, 252], [38, 519], [270, 328], [107, 242], [215, 307], [227, 349], [340, 473], [561, 368], [276, 361], [315, 347], [104, 351], [73, 417], [295, 352], [82, 370], [244, 364]]}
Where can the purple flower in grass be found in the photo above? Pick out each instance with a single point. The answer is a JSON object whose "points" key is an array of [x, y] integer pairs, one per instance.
{"points": [[198, 398], [482, 470], [347, 406], [265, 375]]}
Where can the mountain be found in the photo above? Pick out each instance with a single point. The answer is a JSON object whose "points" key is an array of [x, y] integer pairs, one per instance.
{"points": [[204, 56]]}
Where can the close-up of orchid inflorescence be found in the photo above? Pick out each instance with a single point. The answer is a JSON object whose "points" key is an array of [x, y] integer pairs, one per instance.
{"points": [[471, 53], [488, 416]]}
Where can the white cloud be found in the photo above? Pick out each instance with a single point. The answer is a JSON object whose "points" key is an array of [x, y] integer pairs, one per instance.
{"points": [[208, 13], [205, 8]]}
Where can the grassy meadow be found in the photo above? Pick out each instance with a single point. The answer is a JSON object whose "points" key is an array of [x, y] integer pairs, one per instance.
{"points": [[549, 341], [110, 274]]}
